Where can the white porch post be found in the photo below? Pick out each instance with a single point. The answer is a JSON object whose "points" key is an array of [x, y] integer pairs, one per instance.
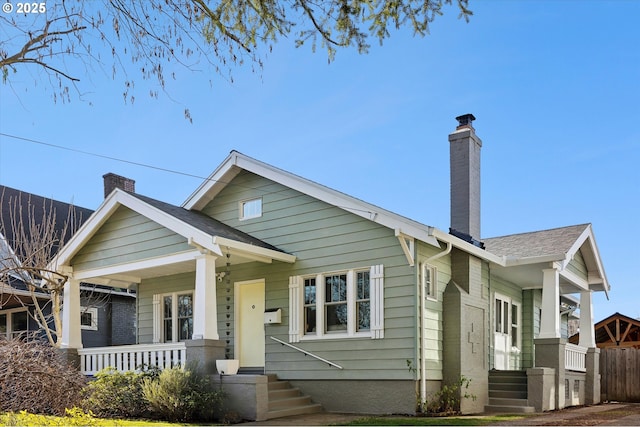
{"points": [[71, 331], [550, 322], [205, 312], [587, 334]]}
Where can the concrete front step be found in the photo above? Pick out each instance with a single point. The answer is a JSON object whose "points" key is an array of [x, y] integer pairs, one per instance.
{"points": [[508, 392], [285, 400], [506, 409], [299, 410]]}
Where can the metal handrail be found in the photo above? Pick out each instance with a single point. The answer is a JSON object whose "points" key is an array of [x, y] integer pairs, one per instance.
{"points": [[306, 353]]}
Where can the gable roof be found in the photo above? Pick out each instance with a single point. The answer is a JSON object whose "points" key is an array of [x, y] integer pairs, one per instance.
{"points": [[199, 229], [616, 330], [236, 162], [27, 207], [553, 245], [205, 223], [553, 242]]}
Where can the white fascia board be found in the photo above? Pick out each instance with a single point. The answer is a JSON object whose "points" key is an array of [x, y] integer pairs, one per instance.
{"points": [[253, 251], [120, 198], [214, 183], [123, 271], [510, 261], [236, 161], [467, 247], [6, 289], [595, 278], [575, 279]]}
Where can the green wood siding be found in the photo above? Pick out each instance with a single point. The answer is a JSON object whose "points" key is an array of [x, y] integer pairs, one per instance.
{"points": [[127, 236], [433, 320], [150, 287], [578, 266], [324, 239]]}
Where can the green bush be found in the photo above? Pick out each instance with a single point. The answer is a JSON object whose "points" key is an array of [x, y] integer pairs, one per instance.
{"points": [[182, 395], [447, 400], [114, 394]]}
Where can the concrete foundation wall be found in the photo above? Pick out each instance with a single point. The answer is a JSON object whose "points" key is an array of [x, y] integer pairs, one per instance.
{"points": [[246, 395], [366, 397]]}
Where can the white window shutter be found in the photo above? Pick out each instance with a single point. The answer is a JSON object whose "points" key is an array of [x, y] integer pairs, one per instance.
{"points": [[376, 295], [157, 318], [295, 309]]}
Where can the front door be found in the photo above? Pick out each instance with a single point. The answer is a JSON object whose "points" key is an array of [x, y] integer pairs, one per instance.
{"points": [[502, 332], [249, 339]]}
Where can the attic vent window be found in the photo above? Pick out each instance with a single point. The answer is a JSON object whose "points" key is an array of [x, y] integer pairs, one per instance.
{"points": [[251, 209]]}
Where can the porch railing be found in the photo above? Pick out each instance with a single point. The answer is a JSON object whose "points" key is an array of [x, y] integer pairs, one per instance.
{"points": [[132, 357], [575, 358]]}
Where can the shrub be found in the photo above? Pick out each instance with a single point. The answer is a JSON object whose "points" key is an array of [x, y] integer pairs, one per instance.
{"points": [[35, 378], [179, 395], [116, 394], [447, 400]]}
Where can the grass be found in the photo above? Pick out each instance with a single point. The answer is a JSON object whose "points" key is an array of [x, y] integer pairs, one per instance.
{"points": [[73, 418], [434, 421]]}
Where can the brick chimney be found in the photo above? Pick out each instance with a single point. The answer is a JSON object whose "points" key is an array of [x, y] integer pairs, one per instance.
{"points": [[113, 181], [464, 159]]}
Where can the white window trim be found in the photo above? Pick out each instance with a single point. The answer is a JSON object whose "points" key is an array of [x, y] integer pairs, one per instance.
{"points": [[241, 205], [158, 314], [434, 280], [94, 318], [9, 325], [376, 304], [516, 345]]}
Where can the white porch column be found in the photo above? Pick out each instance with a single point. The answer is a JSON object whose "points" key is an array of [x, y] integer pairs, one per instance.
{"points": [[587, 334], [550, 322], [205, 311], [71, 331]]}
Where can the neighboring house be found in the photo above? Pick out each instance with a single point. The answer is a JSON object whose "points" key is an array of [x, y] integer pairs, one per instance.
{"points": [[107, 314], [357, 306], [617, 331]]}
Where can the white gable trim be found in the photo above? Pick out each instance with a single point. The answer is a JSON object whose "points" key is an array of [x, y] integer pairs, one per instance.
{"points": [[232, 165], [120, 198]]}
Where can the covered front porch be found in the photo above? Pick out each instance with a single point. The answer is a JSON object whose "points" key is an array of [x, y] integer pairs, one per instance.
{"points": [[179, 262]]}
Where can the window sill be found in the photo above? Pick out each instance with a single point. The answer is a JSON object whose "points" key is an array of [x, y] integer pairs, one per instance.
{"points": [[335, 336]]}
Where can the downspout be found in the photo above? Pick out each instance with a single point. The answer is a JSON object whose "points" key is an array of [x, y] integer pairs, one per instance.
{"points": [[423, 338]]}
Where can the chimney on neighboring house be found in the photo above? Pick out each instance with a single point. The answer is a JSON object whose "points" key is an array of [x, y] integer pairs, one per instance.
{"points": [[113, 181], [465, 180]]}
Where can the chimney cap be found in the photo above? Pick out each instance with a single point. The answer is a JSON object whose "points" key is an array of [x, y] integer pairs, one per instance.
{"points": [[465, 120]]}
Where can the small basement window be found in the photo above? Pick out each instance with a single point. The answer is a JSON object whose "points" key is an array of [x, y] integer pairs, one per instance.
{"points": [[251, 208]]}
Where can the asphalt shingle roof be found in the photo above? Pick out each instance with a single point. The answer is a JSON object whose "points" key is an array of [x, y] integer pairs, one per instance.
{"points": [[205, 223], [535, 243]]}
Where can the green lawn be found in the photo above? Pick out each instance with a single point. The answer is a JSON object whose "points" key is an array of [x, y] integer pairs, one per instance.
{"points": [[74, 419]]}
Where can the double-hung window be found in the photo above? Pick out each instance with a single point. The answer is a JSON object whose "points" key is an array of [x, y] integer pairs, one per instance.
{"points": [[173, 317], [338, 304], [429, 283]]}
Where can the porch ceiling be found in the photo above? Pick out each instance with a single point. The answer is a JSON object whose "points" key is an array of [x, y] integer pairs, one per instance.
{"points": [[124, 275], [529, 276]]}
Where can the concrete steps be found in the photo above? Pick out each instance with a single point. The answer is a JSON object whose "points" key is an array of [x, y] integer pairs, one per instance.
{"points": [[508, 392], [285, 400]]}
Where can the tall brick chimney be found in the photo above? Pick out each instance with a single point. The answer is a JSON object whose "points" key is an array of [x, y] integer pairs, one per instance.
{"points": [[464, 159], [113, 181]]}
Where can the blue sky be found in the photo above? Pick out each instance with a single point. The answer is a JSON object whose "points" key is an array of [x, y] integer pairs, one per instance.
{"points": [[554, 86]]}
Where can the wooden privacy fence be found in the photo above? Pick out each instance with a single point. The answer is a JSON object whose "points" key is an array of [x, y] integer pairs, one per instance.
{"points": [[620, 374]]}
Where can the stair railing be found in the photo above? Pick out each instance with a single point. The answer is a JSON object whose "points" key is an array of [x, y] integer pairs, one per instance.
{"points": [[306, 353]]}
